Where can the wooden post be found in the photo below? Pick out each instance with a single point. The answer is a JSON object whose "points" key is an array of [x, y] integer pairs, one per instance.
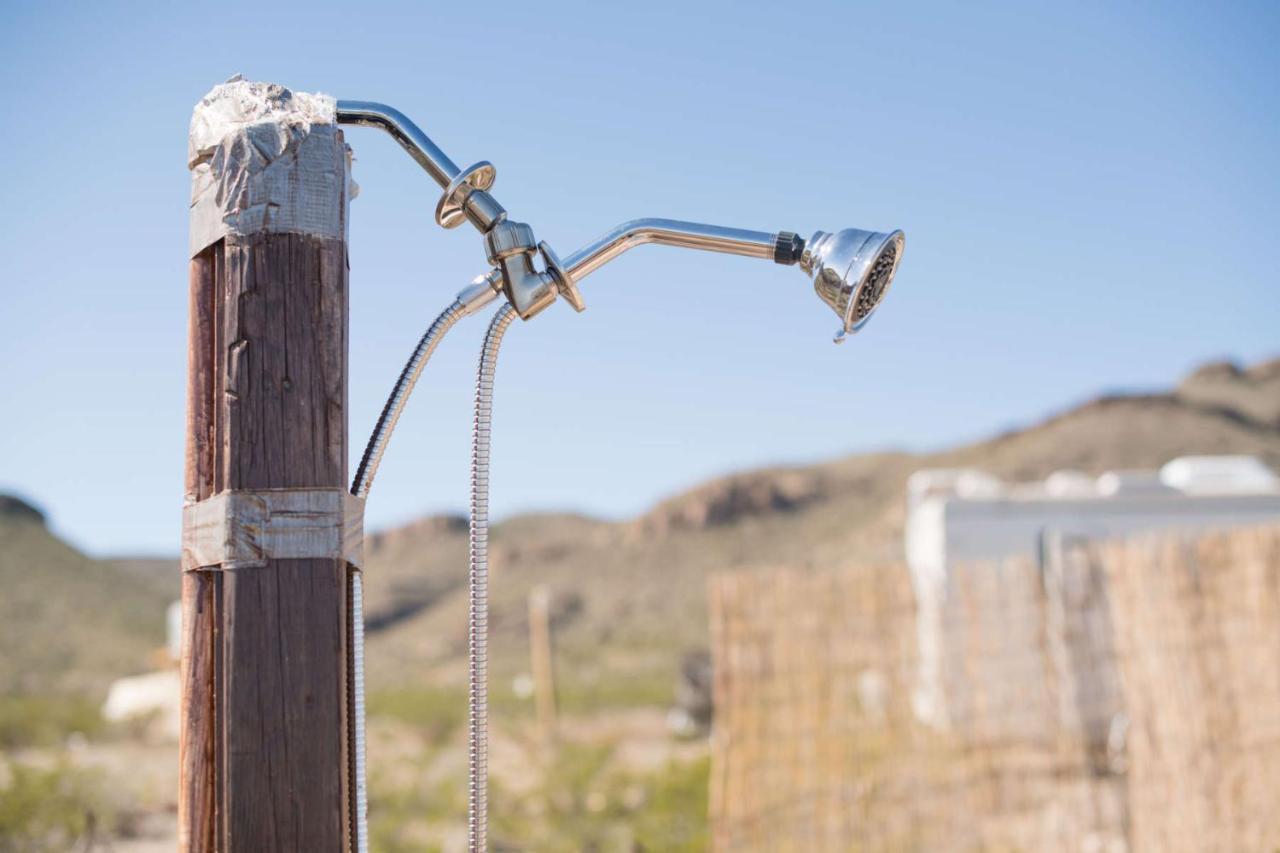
{"points": [[263, 751], [544, 685]]}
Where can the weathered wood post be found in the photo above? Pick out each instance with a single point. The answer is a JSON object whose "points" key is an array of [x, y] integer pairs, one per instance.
{"points": [[540, 658], [266, 529]]}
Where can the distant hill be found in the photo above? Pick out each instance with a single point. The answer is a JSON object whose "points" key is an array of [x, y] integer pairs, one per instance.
{"points": [[67, 622], [632, 594], [13, 507], [1252, 393], [629, 597]]}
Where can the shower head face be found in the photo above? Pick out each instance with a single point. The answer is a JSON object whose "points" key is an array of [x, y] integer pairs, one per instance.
{"points": [[852, 271]]}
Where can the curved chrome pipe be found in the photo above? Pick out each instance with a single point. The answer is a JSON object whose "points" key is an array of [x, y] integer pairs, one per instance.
{"points": [[466, 196], [670, 232], [851, 269], [411, 138], [667, 232]]}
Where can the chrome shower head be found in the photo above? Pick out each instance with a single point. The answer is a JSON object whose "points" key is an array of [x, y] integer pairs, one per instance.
{"points": [[852, 271]]}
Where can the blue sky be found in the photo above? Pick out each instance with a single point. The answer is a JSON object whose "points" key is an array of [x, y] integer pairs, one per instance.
{"points": [[1091, 195]]}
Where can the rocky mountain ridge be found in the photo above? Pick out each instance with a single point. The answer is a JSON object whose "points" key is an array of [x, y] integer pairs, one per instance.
{"points": [[630, 596]]}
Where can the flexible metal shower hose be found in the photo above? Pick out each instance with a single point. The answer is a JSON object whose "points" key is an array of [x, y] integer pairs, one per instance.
{"points": [[360, 486], [358, 763], [377, 445], [478, 591]]}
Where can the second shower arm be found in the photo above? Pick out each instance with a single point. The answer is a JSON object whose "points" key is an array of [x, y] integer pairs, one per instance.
{"points": [[511, 246], [851, 269]]}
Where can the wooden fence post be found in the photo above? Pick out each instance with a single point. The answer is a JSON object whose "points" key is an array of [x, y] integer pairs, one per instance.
{"points": [[540, 654], [264, 762]]}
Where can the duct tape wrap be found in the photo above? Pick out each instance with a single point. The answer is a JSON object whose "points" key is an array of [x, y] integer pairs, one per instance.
{"points": [[265, 159], [246, 529]]}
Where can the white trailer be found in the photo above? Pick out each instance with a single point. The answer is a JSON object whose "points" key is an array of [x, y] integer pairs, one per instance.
{"points": [[963, 516]]}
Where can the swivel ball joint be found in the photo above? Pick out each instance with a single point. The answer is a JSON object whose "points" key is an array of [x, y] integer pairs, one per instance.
{"points": [[510, 248]]}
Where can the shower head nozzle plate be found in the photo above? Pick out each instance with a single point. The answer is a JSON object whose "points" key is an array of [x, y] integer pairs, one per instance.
{"points": [[852, 271]]}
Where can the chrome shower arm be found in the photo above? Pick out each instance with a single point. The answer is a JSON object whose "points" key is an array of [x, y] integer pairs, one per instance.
{"points": [[517, 278], [666, 232], [402, 129], [851, 269], [465, 197], [783, 247]]}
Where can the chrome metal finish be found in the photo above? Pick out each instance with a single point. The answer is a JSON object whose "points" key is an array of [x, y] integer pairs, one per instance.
{"points": [[668, 232], [450, 212], [511, 247], [359, 762], [508, 238], [465, 194], [530, 292], [360, 486], [483, 211], [394, 406], [565, 285], [852, 271], [411, 138], [478, 591], [482, 290]]}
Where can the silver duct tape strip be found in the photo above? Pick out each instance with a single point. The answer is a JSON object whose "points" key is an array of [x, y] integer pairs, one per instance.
{"points": [[266, 159], [245, 529]]}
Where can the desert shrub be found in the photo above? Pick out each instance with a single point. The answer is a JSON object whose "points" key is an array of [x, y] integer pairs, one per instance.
{"points": [[587, 803], [398, 815], [674, 816], [36, 720], [635, 690], [53, 808], [436, 711]]}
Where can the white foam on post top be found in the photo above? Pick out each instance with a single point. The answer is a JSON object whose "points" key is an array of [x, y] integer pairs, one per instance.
{"points": [[264, 158]]}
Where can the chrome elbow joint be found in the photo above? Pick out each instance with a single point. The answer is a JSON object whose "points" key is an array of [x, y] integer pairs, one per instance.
{"points": [[851, 269], [511, 249], [510, 245]]}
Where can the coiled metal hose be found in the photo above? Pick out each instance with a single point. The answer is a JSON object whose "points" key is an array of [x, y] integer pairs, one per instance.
{"points": [[358, 763], [478, 591], [360, 486], [377, 445]]}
